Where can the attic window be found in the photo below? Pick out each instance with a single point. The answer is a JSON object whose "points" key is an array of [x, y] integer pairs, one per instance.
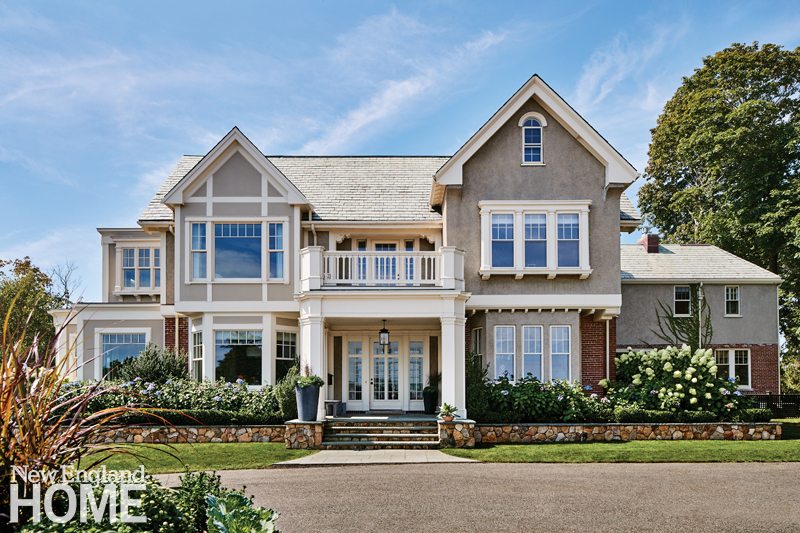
{"points": [[532, 125]]}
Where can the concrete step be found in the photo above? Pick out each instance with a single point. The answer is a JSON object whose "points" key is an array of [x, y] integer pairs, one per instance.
{"points": [[425, 437], [378, 444], [383, 429]]}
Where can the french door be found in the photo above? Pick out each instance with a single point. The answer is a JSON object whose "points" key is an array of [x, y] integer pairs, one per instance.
{"points": [[385, 378]]}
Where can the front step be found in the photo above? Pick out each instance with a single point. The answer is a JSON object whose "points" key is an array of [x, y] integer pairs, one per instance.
{"points": [[365, 434]]}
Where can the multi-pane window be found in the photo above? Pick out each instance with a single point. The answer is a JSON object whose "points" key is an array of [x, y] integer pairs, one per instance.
{"points": [[238, 355], [568, 240], [355, 352], [503, 240], [536, 240], [285, 353], [141, 268], [276, 250], [504, 352], [734, 364], [199, 251], [118, 347], [531, 141], [559, 352], [415, 369], [532, 352], [237, 251], [477, 341], [732, 301], [683, 300], [197, 355]]}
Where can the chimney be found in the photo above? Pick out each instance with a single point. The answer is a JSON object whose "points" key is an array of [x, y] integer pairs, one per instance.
{"points": [[650, 242]]}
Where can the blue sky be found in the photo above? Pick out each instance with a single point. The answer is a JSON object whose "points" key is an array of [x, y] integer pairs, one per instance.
{"points": [[99, 99]]}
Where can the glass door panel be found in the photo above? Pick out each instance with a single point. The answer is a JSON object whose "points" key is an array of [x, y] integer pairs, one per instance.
{"points": [[355, 398], [386, 376], [416, 360]]}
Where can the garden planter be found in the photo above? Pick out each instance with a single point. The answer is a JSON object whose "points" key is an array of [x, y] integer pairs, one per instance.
{"points": [[307, 402], [429, 398], [447, 418]]}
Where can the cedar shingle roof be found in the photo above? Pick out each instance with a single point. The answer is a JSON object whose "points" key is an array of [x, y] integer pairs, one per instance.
{"points": [[350, 188], [688, 262]]}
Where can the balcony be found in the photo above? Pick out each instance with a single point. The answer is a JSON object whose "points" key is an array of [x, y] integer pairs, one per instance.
{"points": [[442, 269]]}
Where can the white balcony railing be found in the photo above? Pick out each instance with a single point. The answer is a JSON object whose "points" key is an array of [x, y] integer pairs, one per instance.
{"points": [[320, 269]]}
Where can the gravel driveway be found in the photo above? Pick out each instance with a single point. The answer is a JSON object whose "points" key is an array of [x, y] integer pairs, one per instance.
{"points": [[517, 497]]}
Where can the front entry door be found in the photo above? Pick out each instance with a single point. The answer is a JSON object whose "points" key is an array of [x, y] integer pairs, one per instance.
{"points": [[385, 379]]}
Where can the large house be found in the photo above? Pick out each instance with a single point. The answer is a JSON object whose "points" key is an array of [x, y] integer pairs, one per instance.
{"points": [[509, 248]]}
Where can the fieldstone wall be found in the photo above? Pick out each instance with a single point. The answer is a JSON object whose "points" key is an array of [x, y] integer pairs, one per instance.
{"points": [[192, 434], [303, 435], [544, 433], [457, 434]]}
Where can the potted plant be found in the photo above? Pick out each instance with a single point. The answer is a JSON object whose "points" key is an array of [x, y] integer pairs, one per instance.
{"points": [[307, 394], [430, 394], [447, 412]]}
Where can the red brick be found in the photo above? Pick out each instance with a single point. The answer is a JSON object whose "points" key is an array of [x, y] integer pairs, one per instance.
{"points": [[593, 350]]}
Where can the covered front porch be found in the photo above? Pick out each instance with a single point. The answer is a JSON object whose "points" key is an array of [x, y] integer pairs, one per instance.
{"points": [[340, 342]]}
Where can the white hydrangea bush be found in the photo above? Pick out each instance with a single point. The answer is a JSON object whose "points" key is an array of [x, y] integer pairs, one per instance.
{"points": [[674, 379]]}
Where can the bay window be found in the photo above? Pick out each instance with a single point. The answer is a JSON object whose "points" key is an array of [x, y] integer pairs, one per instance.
{"points": [[141, 268], [568, 240], [238, 355], [503, 240], [276, 251], [199, 251], [285, 353], [504, 352], [536, 240], [197, 356]]}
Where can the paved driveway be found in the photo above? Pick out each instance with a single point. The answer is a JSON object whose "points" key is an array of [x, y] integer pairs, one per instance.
{"points": [[526, 497]]}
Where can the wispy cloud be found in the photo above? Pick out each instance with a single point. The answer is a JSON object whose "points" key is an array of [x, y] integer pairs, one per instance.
{"points": [[616, 62], [427, 72]]}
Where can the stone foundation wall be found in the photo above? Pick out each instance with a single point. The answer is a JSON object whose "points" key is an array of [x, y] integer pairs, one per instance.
{"points": [[540, 433], [457, 434], [192, 434], [303, 435]]}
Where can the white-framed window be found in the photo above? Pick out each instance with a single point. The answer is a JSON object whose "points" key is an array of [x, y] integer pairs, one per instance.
{"points": [[560, 350], [734, 363], [534, 237], [276, 250], [569, 233], [199, 251], [532, 352], [237, 355], [535, 240], [237, 251], [141, 268], [119, 347], [477, 341], [285, 353], [416, 369], [502, 240], [197, 355], [532, 125], [504, 352], [732, 301], [682, 303]]}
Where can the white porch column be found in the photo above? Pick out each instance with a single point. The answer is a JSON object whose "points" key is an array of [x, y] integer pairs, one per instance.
{"points": [[209, 345], [312, 354], [268, 349], [453, 362]]}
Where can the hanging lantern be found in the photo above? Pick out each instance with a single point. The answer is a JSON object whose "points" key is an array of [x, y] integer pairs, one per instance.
{"points": [[383, 335]]}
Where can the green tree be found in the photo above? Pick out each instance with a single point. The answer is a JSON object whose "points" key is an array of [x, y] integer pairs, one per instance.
{"points": [[35, 295], [724, 160]]}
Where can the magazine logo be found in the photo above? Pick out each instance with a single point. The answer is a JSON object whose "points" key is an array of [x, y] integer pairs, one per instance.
{"points": [[79, 490]]}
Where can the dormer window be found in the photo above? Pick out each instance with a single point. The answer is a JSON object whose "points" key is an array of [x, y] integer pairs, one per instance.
{"points": [[532, 124]]}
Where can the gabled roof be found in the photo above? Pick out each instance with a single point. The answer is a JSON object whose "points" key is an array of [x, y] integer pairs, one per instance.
{"points": [[618, 169], [175, 195], [689, 263], [348, 188]]}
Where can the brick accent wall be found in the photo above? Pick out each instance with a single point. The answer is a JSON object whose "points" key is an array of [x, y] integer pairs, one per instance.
{"points": [[593, 350], [176, 338], [764, 372]]}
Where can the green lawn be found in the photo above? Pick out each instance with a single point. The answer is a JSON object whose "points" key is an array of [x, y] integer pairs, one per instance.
{"points": [[205, 456], [787, 449]]}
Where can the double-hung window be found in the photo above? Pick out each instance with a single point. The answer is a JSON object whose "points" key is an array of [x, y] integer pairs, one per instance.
{"points": [[237, 251], [734, 363], [197, 355], [732, 302], [532, 352], [276, 250], [531, 141], [199, 251], [535, 240], [683, 301], [560, 352], [568, 240], [504, 352], [285, 353], [503, 240], [141, 268], [238, 355]]}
